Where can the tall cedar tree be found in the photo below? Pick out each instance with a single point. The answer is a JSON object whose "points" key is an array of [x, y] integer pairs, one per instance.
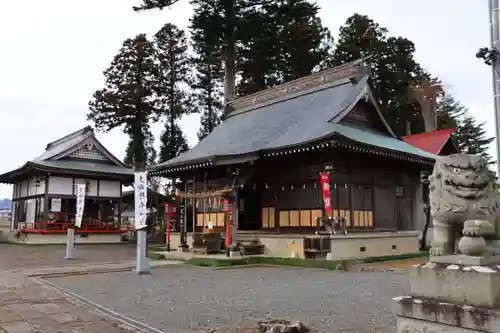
{"points": [[207, 42], [151, 154], [305, 43], [173, 95], [470, 136], [153, 182], [231, 15], [127, 98], [281, 41], [228, 11], [449, 112], [394, 69]]}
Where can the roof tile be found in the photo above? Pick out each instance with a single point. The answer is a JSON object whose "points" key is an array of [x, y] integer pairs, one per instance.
{"points": [[431, 142]]}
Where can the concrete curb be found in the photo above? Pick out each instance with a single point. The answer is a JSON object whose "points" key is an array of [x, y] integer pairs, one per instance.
{"points": [[109, 314], [274, 266], [358, 269], [378, 270], [98, 270], [17, 270]]}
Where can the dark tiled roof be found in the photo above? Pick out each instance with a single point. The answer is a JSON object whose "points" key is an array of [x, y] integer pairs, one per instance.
{"points": [[377, 140], [288, 123], [50, 158], [290, 120], [63, 144], [86, 166]]}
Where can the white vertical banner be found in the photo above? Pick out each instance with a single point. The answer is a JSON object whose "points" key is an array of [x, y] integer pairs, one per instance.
{"points": [[80, 203], [140, 199]]}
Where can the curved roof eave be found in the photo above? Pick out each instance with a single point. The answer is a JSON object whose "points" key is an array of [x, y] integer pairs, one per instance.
{"points": [[46, 168], [7, 177]]}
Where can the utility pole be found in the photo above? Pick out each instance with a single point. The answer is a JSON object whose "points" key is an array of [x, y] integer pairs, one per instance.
{"points": [[491, 58]]}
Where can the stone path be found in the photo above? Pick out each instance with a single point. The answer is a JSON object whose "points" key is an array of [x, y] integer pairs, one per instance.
{"points": [[187, 299], [28, 305]]}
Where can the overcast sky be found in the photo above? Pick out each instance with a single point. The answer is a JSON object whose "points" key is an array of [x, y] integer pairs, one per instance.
{"points": [[53, 53]]}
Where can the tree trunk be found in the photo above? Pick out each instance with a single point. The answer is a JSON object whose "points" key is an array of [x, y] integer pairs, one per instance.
{"points": [[230, 52]]}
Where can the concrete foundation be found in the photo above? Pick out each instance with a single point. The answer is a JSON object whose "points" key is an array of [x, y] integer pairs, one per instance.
{"points": [[354, 245], [61, 238]]}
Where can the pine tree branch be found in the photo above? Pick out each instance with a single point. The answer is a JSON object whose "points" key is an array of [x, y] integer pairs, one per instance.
{"points": [[154, 4]]}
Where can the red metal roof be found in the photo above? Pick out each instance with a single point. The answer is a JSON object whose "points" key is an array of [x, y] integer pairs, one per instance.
{"points": [[431, 142]]}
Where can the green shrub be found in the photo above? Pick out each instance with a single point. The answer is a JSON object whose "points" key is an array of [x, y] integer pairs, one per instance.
{"points": [[291, 262], [156, 256], [294, 262], [371, 260]]}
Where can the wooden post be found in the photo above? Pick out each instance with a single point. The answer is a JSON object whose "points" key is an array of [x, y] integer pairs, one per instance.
{"points": [[204, 212], [46, 199], [120, 206], [194, 204]]}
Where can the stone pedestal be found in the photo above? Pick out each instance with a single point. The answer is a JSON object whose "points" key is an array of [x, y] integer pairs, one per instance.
{"points": [[454, 294]]}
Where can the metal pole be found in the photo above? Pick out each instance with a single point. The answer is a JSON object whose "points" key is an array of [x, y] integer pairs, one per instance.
{"points": [[70, 243], [495, 66]]}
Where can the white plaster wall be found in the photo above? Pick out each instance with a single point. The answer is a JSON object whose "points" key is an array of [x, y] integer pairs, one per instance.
{"points": [[92, 186], [33, 190], [60, 185], [24, 188], [61, 239], [18, 189], [13, 216], [30, 213], [109, 188]]}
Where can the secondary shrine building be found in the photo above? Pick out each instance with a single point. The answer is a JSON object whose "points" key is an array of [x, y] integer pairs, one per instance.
{"points": [[271, 150], [44, 191]]}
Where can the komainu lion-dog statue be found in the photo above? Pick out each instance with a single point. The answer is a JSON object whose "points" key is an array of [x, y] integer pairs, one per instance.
{"points": [[464, 201]]}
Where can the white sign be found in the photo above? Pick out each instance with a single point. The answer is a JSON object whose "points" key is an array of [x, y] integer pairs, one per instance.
{"points": [[55, 205], [140, 199], [80, 203]]}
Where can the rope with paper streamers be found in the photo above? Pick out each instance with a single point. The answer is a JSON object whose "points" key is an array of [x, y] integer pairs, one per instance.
{"points": [[204, 195]]}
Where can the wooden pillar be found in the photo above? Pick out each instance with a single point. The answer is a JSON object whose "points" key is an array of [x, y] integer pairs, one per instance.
{"points": [[349, 190], [193, 202], [235, 212], [276, 209], [46, 199], [204, 211], [120, 206], [13, 208], [374, 175]]}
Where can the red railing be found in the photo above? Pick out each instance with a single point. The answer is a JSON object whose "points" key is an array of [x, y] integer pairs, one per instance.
{"points": [[62, 227]]}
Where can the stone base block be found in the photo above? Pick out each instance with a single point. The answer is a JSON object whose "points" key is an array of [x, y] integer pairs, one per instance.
{"points": [[409, 325], [234, 254], [461, 259], [416, 314], [458, 284]]}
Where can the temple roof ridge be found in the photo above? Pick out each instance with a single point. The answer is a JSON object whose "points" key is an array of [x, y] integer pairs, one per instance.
{"points": [[349, 72], [82, 131]]}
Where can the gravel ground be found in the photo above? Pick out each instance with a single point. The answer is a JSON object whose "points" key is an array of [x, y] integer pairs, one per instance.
{"points": [[31, 256], [182, 299]]}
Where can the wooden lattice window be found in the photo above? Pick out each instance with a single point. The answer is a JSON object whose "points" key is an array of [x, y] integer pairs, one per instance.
{"points": [[88, 152]]}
